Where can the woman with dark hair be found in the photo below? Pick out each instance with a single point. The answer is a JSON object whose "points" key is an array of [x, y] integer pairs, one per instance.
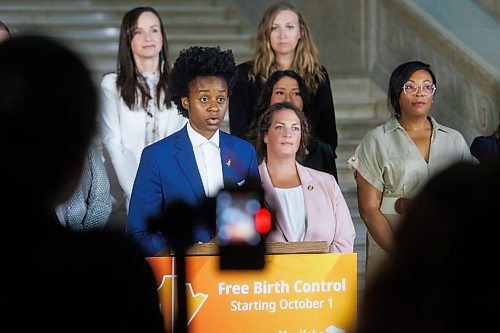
{"points": [[395, 159], [271, 91], [288, 86], [284, 42], [137, 107], [307, 204]]}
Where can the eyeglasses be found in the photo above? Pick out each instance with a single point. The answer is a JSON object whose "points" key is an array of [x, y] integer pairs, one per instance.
{"points": [[412, 89]]}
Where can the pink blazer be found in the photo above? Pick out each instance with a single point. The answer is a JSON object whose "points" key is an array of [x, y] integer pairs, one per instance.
{"points": [[328, 217]]}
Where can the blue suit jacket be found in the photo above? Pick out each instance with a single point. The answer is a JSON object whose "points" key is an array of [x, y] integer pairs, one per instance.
{"points": [[168, 172]]}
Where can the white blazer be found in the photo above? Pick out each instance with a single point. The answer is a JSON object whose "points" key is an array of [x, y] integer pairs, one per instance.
{"points": [[123, 131]]}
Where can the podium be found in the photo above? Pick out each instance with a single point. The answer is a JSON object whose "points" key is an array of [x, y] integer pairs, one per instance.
{"points": [[302, 288]]}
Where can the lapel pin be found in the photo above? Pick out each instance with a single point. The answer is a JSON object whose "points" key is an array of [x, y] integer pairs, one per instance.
{"points": [[228, 163], [310, 188]]}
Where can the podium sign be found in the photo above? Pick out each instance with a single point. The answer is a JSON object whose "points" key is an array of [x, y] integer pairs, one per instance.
{"points": [[300, 293]]}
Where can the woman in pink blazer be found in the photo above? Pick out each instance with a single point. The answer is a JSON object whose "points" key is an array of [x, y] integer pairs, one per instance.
{"points": [[307, 204]]}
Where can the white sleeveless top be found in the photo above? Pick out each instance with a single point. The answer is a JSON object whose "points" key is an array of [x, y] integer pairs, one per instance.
{"points": [[292, 203]]}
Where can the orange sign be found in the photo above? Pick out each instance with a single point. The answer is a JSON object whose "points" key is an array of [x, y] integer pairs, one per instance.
{"points": [[299, 293]]}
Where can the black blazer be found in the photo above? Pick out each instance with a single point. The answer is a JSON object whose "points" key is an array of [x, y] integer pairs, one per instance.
{"points": [[485, 148], [245, 98]]}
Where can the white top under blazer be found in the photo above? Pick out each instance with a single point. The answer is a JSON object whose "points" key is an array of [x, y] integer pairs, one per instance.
{"points": [[123, 131]]}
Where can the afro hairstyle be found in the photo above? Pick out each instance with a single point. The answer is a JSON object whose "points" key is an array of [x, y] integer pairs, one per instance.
{"points": [[196, 62]]}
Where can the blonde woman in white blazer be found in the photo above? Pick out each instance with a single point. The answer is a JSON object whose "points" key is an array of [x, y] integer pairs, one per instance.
{"points": [[135, 101], [307, 205]]}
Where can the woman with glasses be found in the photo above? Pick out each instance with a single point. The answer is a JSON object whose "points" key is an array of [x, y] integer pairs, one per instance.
{"points": [[395, 159]]}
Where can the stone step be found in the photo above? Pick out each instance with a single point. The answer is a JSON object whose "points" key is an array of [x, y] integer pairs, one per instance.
{"points": [[153, 3], [101, 13], [350, 195], [352, 86], [101, 55], [52, 4], [360, 228], [357, 98], [108, 28], [102, 64], [356, 88], [105, 44], [92, 27], [345, 175], [360, 250], [357, 107], [97, 51], [346, 149], [356, 128]]}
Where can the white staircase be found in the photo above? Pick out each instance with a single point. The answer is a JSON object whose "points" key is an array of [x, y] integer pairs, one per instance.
{"points": [[92, 27], [359, 106]]}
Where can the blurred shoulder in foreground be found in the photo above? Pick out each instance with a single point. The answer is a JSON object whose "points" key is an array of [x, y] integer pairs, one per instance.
{"points": [[54, 279], [444, 263]]}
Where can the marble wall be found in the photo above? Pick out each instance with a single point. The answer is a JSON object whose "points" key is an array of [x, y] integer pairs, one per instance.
{"points": [[468, 95], [344, 32], [492, 6]]}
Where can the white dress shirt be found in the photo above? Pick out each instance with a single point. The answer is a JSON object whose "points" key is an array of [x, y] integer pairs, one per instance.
{"points": [[208, 160]]}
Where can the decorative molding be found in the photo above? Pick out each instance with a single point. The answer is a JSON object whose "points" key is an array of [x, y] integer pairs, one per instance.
{"points": [[491, 6]]}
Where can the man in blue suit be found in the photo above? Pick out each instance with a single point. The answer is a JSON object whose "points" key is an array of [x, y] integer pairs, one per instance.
{"points": [[197, 161]]}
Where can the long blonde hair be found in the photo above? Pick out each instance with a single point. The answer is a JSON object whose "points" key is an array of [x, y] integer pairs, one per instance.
{"points": [[305, 61]]}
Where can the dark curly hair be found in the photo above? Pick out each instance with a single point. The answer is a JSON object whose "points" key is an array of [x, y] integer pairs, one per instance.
{"points": [[196, 62], [265, 121]]}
